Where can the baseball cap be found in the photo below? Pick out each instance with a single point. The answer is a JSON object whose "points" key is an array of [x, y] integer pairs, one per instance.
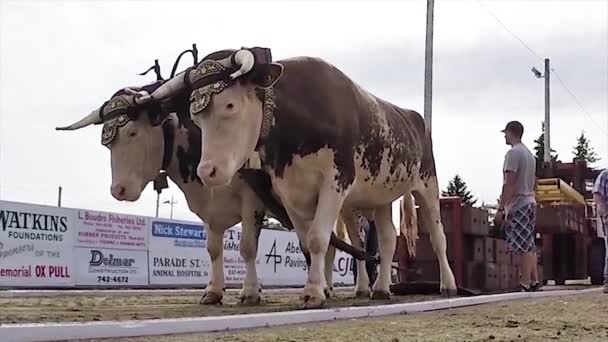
{"points": [[515, 127]]}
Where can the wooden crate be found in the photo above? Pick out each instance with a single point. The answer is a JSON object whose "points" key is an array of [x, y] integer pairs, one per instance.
{"points": [[504, 272], [491, 277], [424, 248], [474, 278], [475, 221], [478, 250], [503, 256], [489, 248]]}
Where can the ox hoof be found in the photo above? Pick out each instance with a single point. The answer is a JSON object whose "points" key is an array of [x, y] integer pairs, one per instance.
{"points": [[312, 302], [449, 293], [211, 298], [362, 294], [250, 300], [381, 295], [328, 292]]}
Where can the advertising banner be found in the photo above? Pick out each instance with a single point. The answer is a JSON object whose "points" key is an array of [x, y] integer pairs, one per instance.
{"points": [[110, 230], [111, 267], [234, 265], [281, 259], [178, 253], [343, 269], [36, 245]]}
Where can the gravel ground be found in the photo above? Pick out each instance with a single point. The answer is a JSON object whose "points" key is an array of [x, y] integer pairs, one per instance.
{"points": [[573, 318], [150, 306]]}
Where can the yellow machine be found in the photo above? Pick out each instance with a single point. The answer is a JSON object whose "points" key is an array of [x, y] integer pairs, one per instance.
{"points": [[555, 191]]}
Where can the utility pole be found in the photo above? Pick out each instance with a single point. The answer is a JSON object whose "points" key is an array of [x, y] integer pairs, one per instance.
{"points": [[547, 111], [428, 66], [59, 196], [157, 202], [547, 132], [172, 202]]}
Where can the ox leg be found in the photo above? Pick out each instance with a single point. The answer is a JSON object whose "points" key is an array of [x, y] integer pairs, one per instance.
{"points": [[352, 225], [387, 238], [250, 294], [329, 271], [317, 241], [427, 197], [215, 289]]}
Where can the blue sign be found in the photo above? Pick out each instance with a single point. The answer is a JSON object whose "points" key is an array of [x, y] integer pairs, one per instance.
{"points": [[186, 235]]}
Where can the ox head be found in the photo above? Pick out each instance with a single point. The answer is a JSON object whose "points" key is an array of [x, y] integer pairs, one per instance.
{"points": [[139, 135], [230, 92], [135, 137]]}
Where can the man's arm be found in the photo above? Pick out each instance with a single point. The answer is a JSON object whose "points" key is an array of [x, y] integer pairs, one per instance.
{"points": [[508, 189], [510, 169]]}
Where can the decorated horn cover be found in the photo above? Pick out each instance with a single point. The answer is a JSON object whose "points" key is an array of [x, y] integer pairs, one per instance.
{"points": [[212, 76]]}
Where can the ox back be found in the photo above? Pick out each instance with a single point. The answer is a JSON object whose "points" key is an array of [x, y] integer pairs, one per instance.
{"points": [[373, 141]]}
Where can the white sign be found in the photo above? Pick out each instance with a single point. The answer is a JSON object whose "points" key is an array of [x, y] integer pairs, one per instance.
{"points": [[281, 259], [234, 265], [111, 267], [343, 269], [178, 253], [36, 244], [109, 230]]}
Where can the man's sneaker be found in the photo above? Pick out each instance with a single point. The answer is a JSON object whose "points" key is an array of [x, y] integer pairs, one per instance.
{"points": [[535, 286], [525, 288], [605, 288]]}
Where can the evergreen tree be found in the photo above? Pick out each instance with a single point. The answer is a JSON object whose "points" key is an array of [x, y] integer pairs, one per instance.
{"points": [[540, 146], [457, 187], [583, 151]]}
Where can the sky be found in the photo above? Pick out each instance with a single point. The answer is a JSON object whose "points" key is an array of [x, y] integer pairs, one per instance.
{"points": [[61, 59]]}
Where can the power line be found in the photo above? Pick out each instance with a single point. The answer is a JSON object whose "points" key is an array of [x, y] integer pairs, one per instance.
{"points": [[508, 30], [578, 102]]}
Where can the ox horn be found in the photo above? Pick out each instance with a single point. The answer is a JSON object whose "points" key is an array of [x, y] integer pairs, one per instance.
{"points": [[246, 61], [167, 89], [90, 119]]}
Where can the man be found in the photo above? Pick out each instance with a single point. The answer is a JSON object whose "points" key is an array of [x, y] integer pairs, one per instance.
{"points": [[517, 208], [600, 195]]}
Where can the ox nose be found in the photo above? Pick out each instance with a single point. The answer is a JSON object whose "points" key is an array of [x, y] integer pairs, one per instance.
{"points": [[206, 172], [118, 191]]}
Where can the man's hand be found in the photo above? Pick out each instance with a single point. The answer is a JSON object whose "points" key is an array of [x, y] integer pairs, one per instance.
{"points": [[500, 217]]}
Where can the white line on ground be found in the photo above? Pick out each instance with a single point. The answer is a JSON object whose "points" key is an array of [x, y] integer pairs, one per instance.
{"points": [[128, 292], [113, 329]]}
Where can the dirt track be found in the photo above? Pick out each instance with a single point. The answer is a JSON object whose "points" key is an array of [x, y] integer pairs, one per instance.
{"points": [[574, 318], [102, 308]]}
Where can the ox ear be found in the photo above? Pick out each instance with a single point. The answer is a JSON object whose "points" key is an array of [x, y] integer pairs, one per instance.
{"points": [[270, 76]]}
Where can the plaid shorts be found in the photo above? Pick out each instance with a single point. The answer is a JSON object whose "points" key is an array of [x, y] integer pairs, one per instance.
{"points": [[520, 229]]}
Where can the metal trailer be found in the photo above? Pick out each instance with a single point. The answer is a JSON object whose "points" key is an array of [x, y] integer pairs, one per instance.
{"points": [[569, 245], [571, 239]]}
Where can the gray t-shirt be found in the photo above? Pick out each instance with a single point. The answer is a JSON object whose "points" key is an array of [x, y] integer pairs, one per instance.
{"points": [[521, 161]]}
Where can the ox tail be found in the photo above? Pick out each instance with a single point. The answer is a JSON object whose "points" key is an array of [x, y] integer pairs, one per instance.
{"points": [[409, 224]]}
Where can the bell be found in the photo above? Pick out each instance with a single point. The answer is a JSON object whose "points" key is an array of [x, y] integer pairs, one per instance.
{"points": [[160, 182]]}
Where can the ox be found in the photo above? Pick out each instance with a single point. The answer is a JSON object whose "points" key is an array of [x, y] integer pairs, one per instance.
{"points": [[329, 146], [144, 139]]}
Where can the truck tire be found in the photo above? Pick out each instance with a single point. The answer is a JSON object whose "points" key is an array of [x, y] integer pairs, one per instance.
{"points": [[597, 257]]}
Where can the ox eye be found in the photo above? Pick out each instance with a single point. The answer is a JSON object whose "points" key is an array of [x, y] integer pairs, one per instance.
{"points": [[132, 134], [230, 106]]}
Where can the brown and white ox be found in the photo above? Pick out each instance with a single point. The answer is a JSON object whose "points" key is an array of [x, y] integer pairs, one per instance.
{"points": [[329, 146], [145, 139]]}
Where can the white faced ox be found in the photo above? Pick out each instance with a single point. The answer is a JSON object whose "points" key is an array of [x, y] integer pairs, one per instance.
{"points": [[329, 146], [144, 139]]}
